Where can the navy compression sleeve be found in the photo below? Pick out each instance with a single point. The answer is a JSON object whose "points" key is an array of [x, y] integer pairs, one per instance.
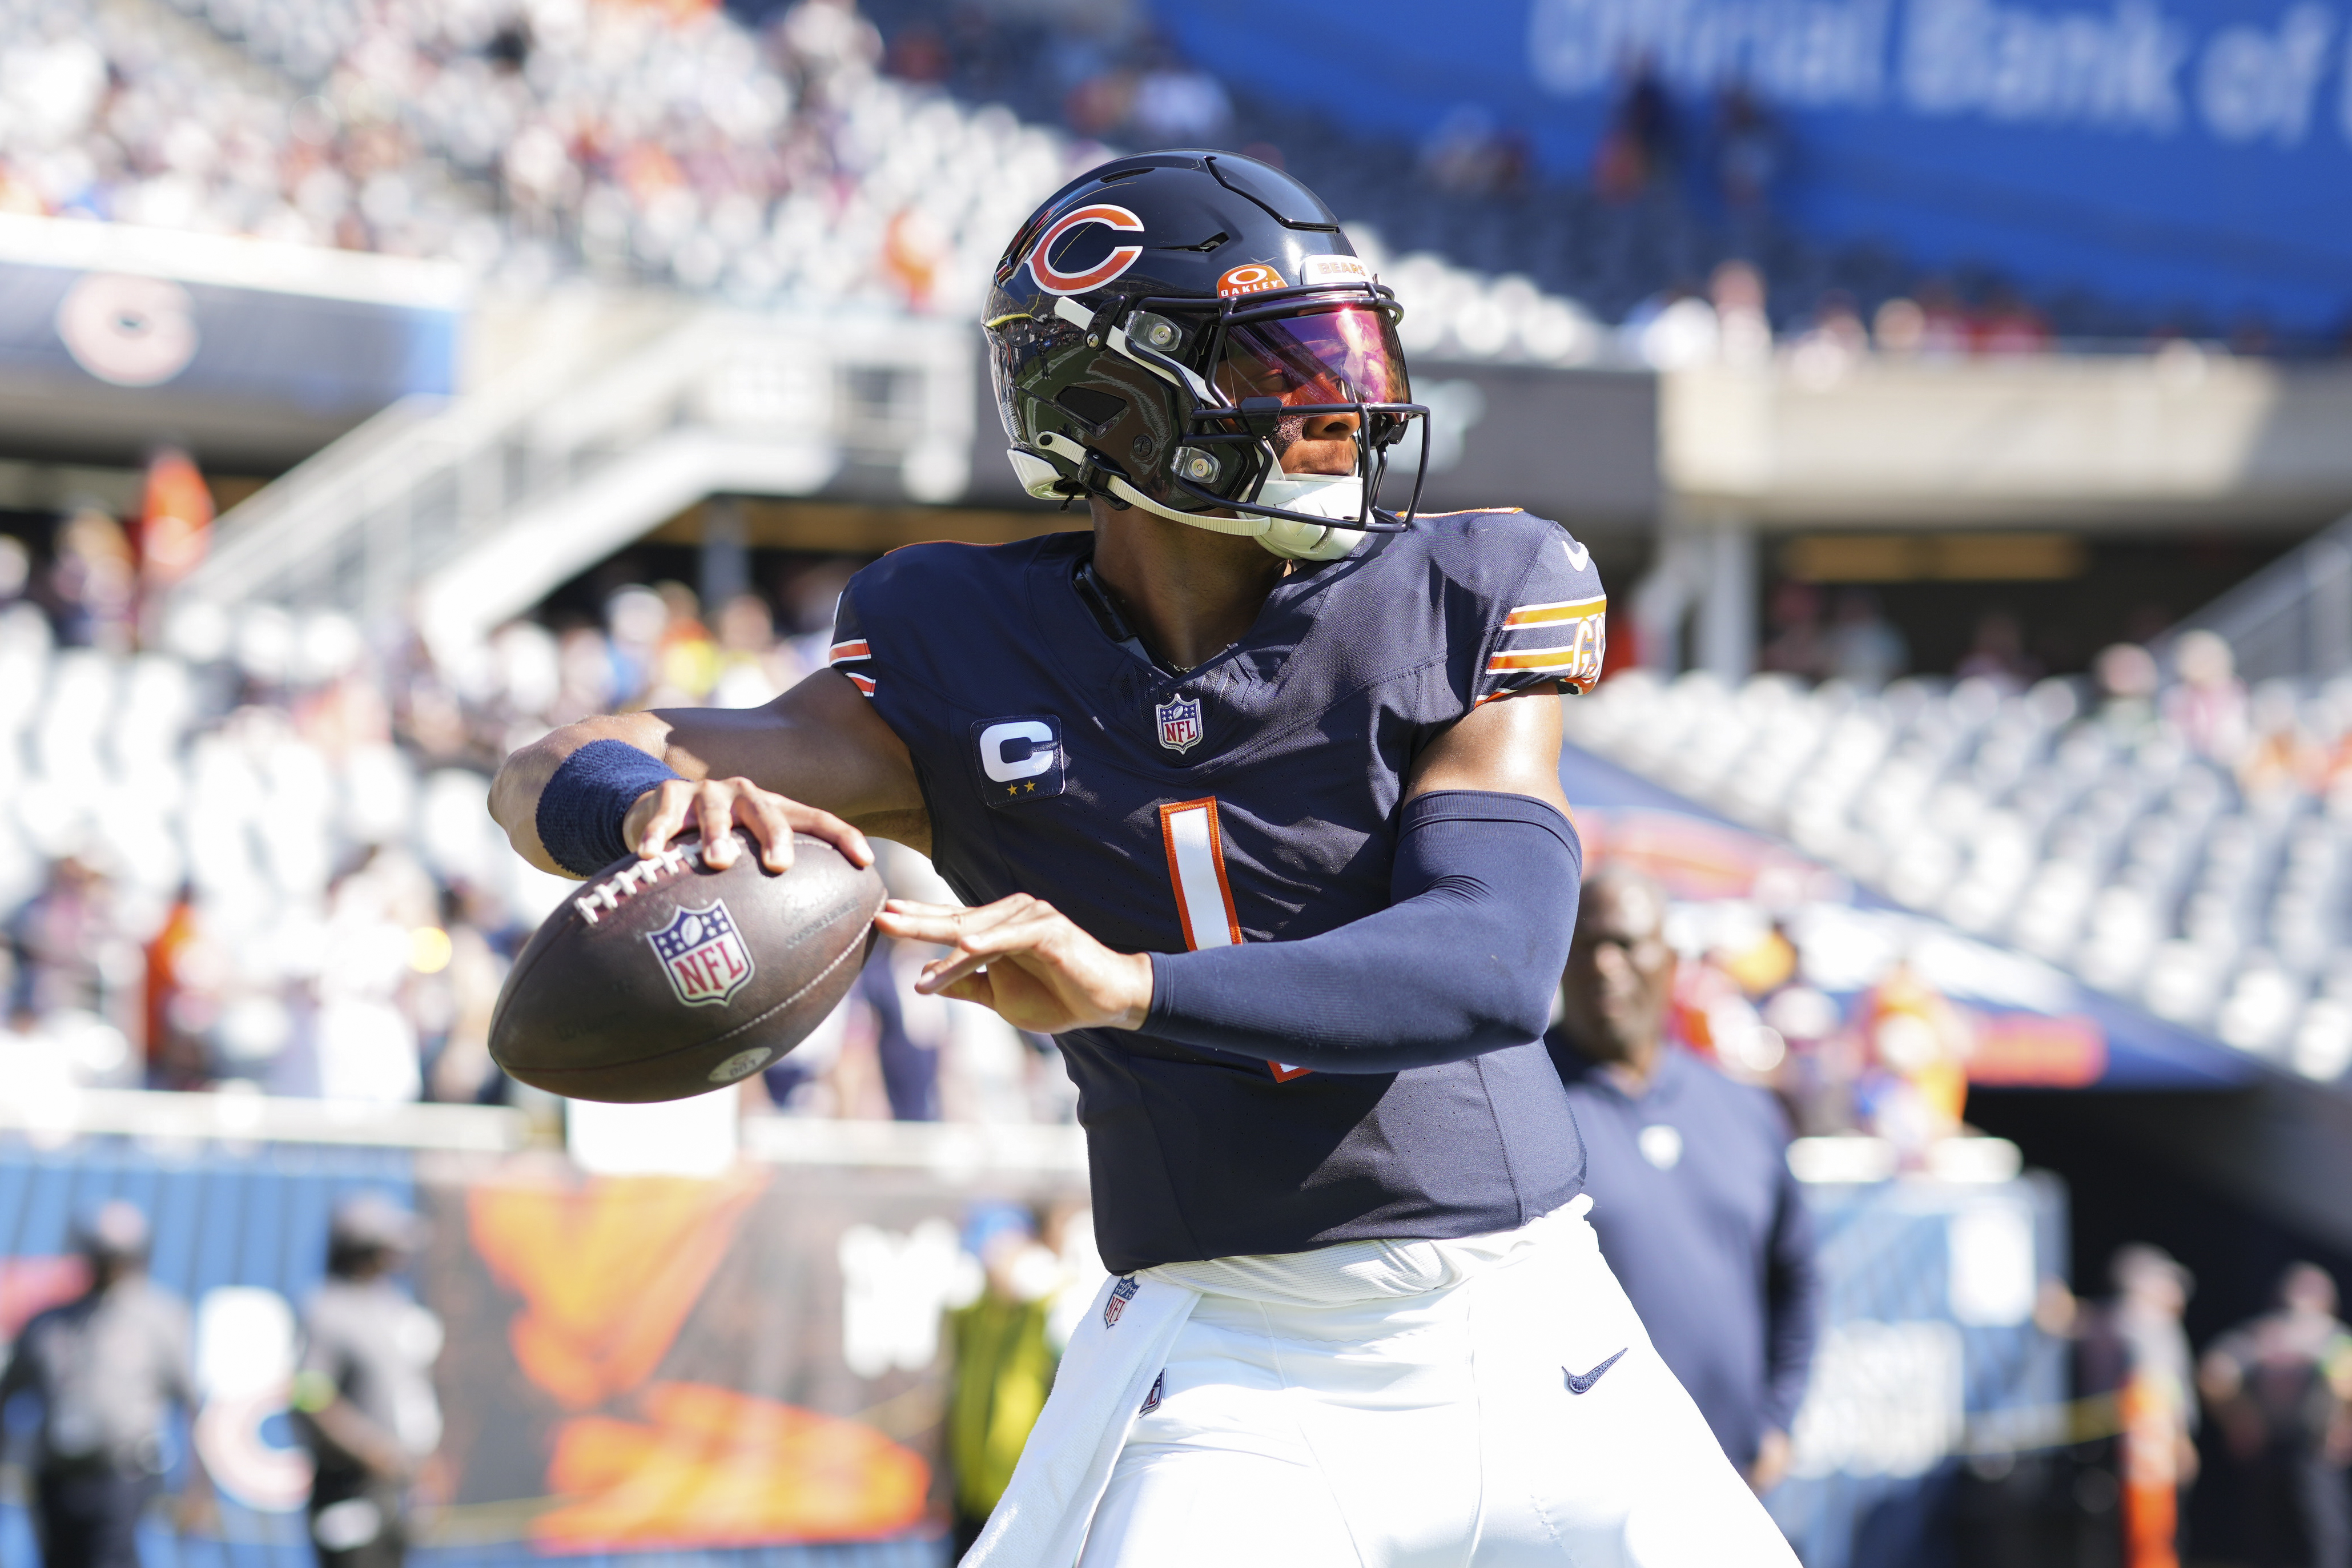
{"points": [[1464, 961]]}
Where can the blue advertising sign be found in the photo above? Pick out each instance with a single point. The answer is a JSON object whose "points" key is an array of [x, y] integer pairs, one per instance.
{"points": [[2165, 153]]}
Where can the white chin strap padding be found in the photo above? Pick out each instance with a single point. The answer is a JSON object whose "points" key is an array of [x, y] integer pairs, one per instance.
{"points": [[1335, 496], [1247, 527]]}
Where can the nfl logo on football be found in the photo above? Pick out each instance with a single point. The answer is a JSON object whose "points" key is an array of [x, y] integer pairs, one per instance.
{"points": [[1179, 723], [703, 954]]}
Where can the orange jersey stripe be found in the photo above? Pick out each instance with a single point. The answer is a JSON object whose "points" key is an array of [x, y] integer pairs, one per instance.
{"points": [[1548, 615], [1535, 658], [863, 682], [848, 650]]}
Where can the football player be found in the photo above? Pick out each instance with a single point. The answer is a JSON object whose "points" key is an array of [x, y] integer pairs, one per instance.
{"points": [[1252, 793]]}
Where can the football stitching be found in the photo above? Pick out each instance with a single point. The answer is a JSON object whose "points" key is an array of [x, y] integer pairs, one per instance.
{"points": [[613, 889]]}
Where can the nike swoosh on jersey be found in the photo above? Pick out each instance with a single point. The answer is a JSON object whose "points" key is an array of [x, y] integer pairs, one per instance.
{"points": [[1580, 1385], [1578, 557]]}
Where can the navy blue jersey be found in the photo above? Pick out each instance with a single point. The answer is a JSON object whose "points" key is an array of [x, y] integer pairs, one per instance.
{"points": [[1254, 798]]}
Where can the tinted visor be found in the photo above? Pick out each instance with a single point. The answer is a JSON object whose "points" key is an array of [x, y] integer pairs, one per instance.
{"points": [[1338, 354]]}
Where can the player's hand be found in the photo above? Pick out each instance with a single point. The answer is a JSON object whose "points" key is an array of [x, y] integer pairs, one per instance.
{"points": [[716, 807], [1024, 957]]}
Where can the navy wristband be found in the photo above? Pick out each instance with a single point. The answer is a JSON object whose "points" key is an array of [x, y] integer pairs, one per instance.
{"points": [[582, 807]]}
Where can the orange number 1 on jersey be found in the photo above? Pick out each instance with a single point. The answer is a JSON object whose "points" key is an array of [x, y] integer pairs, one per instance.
{"points": [[1204, 898]]}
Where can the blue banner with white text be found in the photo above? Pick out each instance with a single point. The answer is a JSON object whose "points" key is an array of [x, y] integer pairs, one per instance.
{"points": [[2175, 155]]}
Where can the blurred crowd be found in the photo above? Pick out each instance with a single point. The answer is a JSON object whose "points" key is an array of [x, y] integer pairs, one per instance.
{"points": [[2158, 830], [825, 154], [255, 855], [523, 140]]}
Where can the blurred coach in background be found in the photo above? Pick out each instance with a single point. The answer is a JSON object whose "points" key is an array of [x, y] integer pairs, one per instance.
{"points": [[363, 1394], [107, 1368], [1697, 1214]]}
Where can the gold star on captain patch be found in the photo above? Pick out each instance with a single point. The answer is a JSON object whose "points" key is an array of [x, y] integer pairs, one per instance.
{"points": [[1013, 789], [1032, 788]]}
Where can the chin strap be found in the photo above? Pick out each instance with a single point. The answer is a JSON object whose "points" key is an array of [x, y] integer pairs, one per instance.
{"points": [[1336, 495]]}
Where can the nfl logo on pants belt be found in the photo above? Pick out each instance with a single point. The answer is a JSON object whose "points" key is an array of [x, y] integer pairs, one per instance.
{"points": [[703, 956], [1179, 723]]}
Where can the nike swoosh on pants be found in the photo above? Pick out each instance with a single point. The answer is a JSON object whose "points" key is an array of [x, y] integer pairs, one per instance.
{"points": [[1578, 1385]]}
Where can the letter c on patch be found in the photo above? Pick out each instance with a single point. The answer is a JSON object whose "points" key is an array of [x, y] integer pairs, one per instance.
{"points": [[993, 740]]}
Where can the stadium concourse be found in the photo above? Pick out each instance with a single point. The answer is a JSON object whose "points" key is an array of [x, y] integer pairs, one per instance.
{"points": [[242, 853]]}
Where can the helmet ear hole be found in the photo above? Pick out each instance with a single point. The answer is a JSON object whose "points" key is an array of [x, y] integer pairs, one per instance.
{"points": [[1094, 406]]}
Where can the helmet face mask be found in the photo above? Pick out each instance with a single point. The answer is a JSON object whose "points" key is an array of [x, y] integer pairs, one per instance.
{"points": [[1147, 345]]}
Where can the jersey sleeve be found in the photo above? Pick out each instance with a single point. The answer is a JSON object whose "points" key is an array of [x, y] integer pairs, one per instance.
{"points": [[851, 653], [1553, 626]]}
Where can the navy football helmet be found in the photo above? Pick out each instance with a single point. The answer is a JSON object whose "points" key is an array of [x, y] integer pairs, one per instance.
{"points": [[1162, 327]]}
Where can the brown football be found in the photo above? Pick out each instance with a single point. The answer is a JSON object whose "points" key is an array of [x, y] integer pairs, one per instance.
{"points": [[664, 978]]}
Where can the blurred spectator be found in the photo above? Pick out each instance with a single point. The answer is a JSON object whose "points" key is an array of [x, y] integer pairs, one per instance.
{"points": [[1998, 654], [1900, 327], [1005, 1360], [827, 48], [1831, 343], [2280, 1388], [1865, 648], [1944, 326], [175, 520], [1797, 645], [1180, 105], [1696, 1211], [1917, 1084], [1467, 154], [362, 1393], [2128, 677], [1744, 334], [1673, 331], [1636, 151], [2208, 707], [2010, 326], [15, 568], [2132, 1350], [92, 583], [2282, 758], [918, 54], [1747, 149], [107, 1368]]}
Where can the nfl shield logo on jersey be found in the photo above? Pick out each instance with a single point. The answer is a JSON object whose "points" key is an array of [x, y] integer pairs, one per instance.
{"points": [[703, 954], [1179, 723], [1122, 1291]]}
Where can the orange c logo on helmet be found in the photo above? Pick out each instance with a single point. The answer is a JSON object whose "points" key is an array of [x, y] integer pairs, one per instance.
{"points": [[1055, 281], [1249, 278]]}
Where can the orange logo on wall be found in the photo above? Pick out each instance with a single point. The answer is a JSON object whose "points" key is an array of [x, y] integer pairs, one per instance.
{"points": [[718, 1468], [608, 1272]]}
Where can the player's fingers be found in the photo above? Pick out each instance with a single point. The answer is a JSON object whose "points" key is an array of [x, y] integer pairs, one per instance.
{"points": [[771, 827], [976, 987], [1023, 935], [670, 803], [824, 824], [918, 922], [714, 814]]}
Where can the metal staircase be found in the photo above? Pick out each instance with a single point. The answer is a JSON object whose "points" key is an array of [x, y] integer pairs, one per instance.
{"points": [[2293, 617], [464, 512]]}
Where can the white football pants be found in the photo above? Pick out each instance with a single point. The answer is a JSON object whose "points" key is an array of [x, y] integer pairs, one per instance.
{"points": [[1437, 1429]]}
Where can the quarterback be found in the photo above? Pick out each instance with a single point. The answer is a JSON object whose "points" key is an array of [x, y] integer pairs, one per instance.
{"points": [[1251, 796]]}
